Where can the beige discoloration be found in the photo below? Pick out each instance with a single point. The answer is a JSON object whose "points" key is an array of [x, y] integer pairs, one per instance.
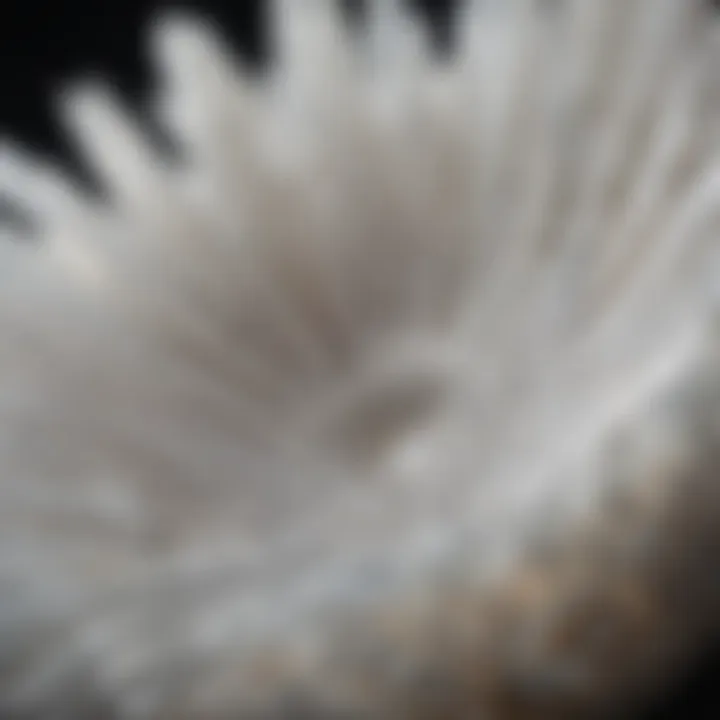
{"points": [[393, 396]]}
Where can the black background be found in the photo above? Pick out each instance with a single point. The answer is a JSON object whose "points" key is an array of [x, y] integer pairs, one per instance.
{"points": [[44, 45]]}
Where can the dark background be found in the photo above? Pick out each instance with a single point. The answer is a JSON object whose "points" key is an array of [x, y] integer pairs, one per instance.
{"points": [[44, 45]]}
